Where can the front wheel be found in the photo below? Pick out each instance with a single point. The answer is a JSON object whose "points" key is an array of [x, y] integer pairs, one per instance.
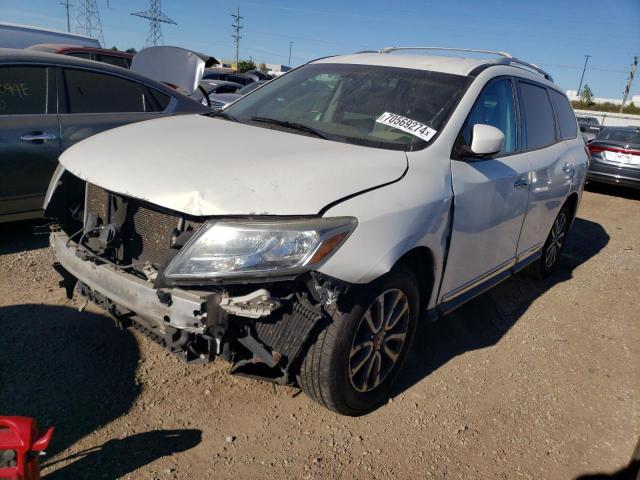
{"points": [[352, 365], [553, 246]]}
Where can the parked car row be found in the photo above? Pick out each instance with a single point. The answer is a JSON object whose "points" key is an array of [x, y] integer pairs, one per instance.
{"points": [[220, 100], [242, 78]]}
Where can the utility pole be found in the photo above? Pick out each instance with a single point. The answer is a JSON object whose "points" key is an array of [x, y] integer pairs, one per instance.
{"points": [[586, 59], [290, 45], [629, 80], [236, 33], [66, 5]]}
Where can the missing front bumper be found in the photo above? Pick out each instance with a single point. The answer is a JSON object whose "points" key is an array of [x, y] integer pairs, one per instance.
{"points": [[184, 311], [263, 336]]}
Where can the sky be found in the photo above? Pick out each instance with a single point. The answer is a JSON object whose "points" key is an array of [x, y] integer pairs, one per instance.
{"points": [[554, 34]]}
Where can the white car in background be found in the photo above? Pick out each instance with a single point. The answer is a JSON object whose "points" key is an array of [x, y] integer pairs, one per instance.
{"points": [[345, 202]]}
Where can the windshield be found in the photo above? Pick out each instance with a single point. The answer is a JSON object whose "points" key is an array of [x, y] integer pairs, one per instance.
{"points": [[382, 107], [622, 136]]}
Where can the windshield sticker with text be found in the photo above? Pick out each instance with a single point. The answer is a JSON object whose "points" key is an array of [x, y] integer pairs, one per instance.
{"points": [[413, 127]]}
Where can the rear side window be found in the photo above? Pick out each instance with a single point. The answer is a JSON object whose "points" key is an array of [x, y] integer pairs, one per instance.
{"points": [[564, 114], [90, 92], [537, 115], [162, 100], [23, 90], [112, 60]]}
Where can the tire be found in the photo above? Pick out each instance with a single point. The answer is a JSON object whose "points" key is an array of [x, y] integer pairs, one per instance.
{"points": [[553, 246], [350, 368]]}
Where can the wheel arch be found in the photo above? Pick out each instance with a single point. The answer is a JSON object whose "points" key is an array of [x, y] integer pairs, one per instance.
{"points": [[421, 262], [572, 203]]}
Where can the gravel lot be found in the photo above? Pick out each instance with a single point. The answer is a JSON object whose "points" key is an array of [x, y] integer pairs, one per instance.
{"points": [[534, 380]]}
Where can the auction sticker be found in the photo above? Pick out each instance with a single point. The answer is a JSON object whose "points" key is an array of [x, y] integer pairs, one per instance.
{"points": [[405, 124]]}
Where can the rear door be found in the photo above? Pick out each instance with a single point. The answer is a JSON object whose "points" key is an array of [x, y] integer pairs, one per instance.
{"points": [[29, 138], [552, 166], [95, 101], [490, 197]]}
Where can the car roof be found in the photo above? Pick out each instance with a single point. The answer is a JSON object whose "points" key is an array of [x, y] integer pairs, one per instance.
{"points": [[14, 55], [454, 65], [65, 47], [457, 65]]}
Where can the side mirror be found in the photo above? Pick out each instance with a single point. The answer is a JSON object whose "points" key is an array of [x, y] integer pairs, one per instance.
{"points": [[486, 140]]}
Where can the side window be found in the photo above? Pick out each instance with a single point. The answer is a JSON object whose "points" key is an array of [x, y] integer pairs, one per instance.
{"points": [[162, 100], [494, 107], [90, 92], [564, 114], [23, 90], [537, 115], [112, 60]]}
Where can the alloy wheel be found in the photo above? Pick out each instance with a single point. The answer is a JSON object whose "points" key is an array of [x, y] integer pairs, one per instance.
{"points": [[379, 340], [556, 239]]}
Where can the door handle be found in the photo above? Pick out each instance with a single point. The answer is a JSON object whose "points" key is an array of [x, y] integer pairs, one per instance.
{"points": [[38, 137], [521, 182]]}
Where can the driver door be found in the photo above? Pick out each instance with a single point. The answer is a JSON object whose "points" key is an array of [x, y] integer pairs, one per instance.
{"points": [[490, 200]]}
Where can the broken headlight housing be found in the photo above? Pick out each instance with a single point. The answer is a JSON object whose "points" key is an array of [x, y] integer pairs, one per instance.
{"points": [[226, 249]]}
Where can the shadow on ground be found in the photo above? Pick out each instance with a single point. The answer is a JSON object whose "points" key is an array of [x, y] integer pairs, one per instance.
{"points": [[483, 321], [19, 237], [77, 371], [630, 472], [118, 457]]}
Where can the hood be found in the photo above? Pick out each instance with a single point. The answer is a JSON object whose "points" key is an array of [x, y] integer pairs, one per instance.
{"points": [[205, 166]]}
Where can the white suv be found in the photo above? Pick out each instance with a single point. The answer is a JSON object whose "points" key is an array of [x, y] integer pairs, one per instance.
{"points": [[343, 203]]}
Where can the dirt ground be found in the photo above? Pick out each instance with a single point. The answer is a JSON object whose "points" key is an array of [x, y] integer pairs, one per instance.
{"points": [[534, 380]]}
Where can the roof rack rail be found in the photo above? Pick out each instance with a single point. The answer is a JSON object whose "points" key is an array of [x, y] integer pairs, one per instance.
{"points": [[491, 52], [504, 57]]}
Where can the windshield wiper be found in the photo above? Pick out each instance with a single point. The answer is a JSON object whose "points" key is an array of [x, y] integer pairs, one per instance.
{"points": [[221, 114], [292, 125]]}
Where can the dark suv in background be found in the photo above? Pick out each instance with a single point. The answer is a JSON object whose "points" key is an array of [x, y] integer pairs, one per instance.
{"points": [[48, 102]]}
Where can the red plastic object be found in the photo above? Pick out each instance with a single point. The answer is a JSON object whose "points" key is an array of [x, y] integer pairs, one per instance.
{"points": [[21, 435]]}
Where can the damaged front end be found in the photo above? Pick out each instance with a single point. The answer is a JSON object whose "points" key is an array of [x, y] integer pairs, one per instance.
{"points": [[245, 289]]}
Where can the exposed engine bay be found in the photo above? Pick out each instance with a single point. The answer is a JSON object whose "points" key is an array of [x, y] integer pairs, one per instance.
{"points": [[113, 250]]}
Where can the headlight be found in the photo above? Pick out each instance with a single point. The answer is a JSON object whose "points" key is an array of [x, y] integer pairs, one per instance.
{"points": [[241, 248]]}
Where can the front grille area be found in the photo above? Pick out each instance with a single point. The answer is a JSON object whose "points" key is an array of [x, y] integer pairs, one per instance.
{"points": [[145, 231]]}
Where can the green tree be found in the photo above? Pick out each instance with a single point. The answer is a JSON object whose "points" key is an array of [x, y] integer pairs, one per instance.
{"points": [[114, 48], [263, 67], [586, 96], [131, 50], [245, 66]]}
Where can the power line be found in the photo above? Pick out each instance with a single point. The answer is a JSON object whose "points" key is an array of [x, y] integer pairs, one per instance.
{"points": [[156, 19], [236, 33]]}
